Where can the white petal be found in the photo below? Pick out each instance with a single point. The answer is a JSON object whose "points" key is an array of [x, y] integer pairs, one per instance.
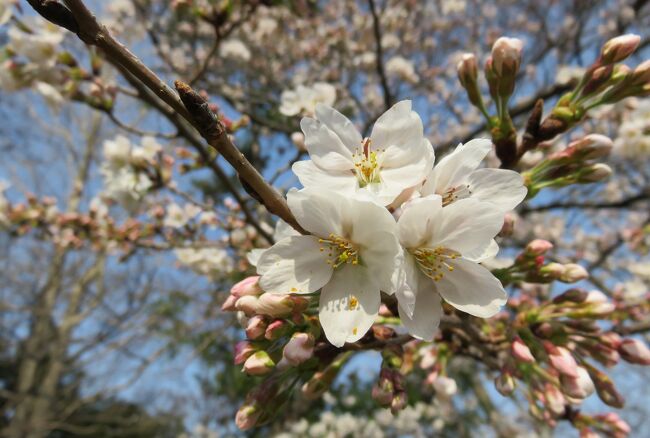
{"points": [[408, 174], [325, 147], [480, 254], [473, 289], [282, 230], [426, 318], [466, 225], [342, 321], [454, 168], [399, 132], [317, 211], [504, 188], [254, 255], [407, 279], [312, 176], [417, 220], [340, 125], [294, 265]]}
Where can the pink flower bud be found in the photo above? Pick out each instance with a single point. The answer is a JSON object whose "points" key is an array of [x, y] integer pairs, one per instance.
{"points": [[277, 306], [247, 304], [538, 247], [258, 364], [277, 329], [605, 388], [508, 225], [248, 286], [641, 74], [588, 433], [579, 387], [594, 173], [521, 352], [230, 304], [467, 69], [243, 350], [256, 327], [299, 349], [571, 296], [635, 351], [592, 146], [573, 273], [506, 55], [298, 140], [247, 416], [619, 48], [612, 340], [561, 359], [615, 422]]}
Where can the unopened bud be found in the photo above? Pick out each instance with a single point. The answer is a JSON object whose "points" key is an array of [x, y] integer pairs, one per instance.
{"points": [[298, 140], [508, 225], [247, 416], [256, 327], [635, 351], [592, 146], [573, 273], [579, 387], [506, 55], [258, 364], [538, 247], [277, 306], [617, 426], [555, 401], [299, 349], [505, 384], [561, 359], [571, 296], [467, 69], [277, 329], [619, 48], [594, 173], [243, 350], [605, 388], [247, 304], [229, 305], [521, 352], [248, 286]]}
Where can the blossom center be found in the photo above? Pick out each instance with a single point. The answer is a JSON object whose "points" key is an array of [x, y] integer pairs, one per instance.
{"points": [[455, 193], [435, 262], [339, 250], [367, 164]]}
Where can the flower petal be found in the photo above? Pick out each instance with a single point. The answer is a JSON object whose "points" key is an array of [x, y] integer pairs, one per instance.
{"points": [[417, 219], [399, 132], [312, 176], [466, 225], [340, 125], [473, 289], [293, 265], [504, 188], [424, 321], [407, 281], [480, 254], [349, 304], [454, 168], [325, 147], [317, 211]]}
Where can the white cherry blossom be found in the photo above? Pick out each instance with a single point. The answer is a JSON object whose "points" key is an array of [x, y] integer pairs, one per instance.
{"points": [[457, 176], [395, 157], [442, 248], [351, 255], [303, 99]]}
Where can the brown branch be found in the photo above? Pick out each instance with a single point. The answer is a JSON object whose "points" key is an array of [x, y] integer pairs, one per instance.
{"points": [[379, 54]]}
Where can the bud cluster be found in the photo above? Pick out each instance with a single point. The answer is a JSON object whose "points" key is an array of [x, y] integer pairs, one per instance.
{"points": [[574, 164]]}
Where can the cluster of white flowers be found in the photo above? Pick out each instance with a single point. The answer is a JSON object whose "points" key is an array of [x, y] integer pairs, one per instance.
{"points": [[633, 140], [34, 57], [177, 216], [124, 182], [380, 217], [235, 49], [211, 262], [303, 100], [417, 420]]}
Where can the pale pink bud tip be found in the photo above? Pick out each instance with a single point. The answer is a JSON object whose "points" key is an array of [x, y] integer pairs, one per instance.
{"points": [[573, 273], [635, 351], [506, 55], [299, 349], [246, 417], [619, 48], [230, 304], [521, 352], [248, 286], [538, 247], [258, 364]]}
